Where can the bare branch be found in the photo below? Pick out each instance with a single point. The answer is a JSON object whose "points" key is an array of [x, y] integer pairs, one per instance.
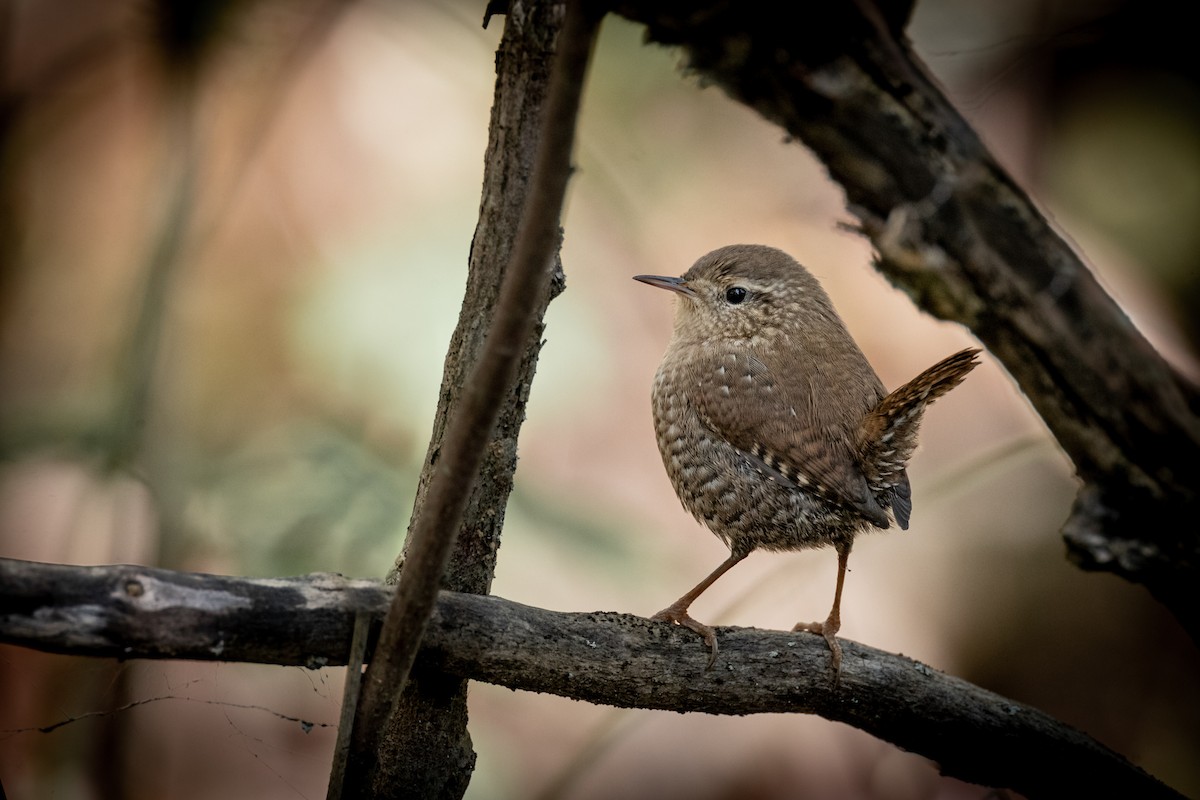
{"points": [[141, 612], [470, 428], [429, 748], [614, 659]]}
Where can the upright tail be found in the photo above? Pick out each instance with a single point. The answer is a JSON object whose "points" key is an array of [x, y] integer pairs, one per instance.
{"points": [[888, 435]]}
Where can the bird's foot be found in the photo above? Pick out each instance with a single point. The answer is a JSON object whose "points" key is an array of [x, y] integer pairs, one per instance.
{"points": [[679, 616], [827, 629]]}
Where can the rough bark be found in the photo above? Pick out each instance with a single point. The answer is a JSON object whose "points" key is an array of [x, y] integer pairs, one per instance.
{"points": [[609, 658], [955, 232], [411, 740], [523, 63]]}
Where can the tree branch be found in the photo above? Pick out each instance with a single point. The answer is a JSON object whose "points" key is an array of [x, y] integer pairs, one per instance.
{"points": [[429, 748], [953, 230], [431, 539], [614, 659]]}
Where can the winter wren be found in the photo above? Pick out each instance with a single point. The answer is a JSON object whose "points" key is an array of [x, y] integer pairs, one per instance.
{"points": [[774, 429]]}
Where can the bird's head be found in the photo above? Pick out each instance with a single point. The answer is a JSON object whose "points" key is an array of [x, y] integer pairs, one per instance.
{"points": [[747, 292]]}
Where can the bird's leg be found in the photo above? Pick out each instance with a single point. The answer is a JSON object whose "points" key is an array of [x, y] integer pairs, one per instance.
{"points": [[833, 622], [677, 611]]}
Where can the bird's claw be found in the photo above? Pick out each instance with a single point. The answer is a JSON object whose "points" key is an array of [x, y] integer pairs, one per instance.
{"points": [[829, 633], [679, 616]]}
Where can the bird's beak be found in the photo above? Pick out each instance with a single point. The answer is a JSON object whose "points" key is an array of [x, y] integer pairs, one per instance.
{"points": [[662, 282]]}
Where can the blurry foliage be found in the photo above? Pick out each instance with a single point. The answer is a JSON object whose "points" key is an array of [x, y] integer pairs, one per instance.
{"points": [[183, 32], [1123, 106], [300, 498], [1114, 91]]}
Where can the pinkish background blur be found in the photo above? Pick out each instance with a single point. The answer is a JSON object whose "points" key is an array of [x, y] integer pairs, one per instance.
{"points": [[317, 279]]}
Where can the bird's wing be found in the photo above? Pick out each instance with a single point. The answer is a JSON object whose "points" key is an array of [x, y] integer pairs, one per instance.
{"points": [[742, 400]]}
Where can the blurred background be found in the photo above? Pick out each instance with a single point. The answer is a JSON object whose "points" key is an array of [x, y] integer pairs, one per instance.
{"points": [[234, 237]]}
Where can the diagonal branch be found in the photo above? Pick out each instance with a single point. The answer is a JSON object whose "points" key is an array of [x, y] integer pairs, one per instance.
{"points": [[428, 747], [953, 230], [432, 536], [615, 659]]}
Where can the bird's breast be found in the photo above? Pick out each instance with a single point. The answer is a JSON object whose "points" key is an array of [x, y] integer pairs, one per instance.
{"points": [[721, 484]]}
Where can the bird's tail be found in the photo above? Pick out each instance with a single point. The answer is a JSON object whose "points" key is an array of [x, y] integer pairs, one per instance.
{"points": [[888, 435]]}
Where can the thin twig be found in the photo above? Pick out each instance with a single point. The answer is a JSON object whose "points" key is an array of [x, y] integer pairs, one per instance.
{"points": [[306, 724], [350, 694]]}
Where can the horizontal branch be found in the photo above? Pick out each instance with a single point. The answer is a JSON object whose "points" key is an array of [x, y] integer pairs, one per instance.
{"points": [[141, 612], [614, 659]]}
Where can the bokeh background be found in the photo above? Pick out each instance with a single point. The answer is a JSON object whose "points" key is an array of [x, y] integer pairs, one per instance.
{"points": [[234, 239]]}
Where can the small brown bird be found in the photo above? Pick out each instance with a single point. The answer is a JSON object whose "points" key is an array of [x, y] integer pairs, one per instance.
{"points": [[775, 431]]}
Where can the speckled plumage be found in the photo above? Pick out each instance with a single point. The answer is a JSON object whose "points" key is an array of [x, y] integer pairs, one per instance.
{"points": [[773, 427]]}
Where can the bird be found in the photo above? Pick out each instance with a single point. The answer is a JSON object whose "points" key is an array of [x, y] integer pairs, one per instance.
{"points": [[775, 431]]}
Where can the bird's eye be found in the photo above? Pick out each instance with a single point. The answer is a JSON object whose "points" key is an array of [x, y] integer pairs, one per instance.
{"points": [[735, 295]]}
